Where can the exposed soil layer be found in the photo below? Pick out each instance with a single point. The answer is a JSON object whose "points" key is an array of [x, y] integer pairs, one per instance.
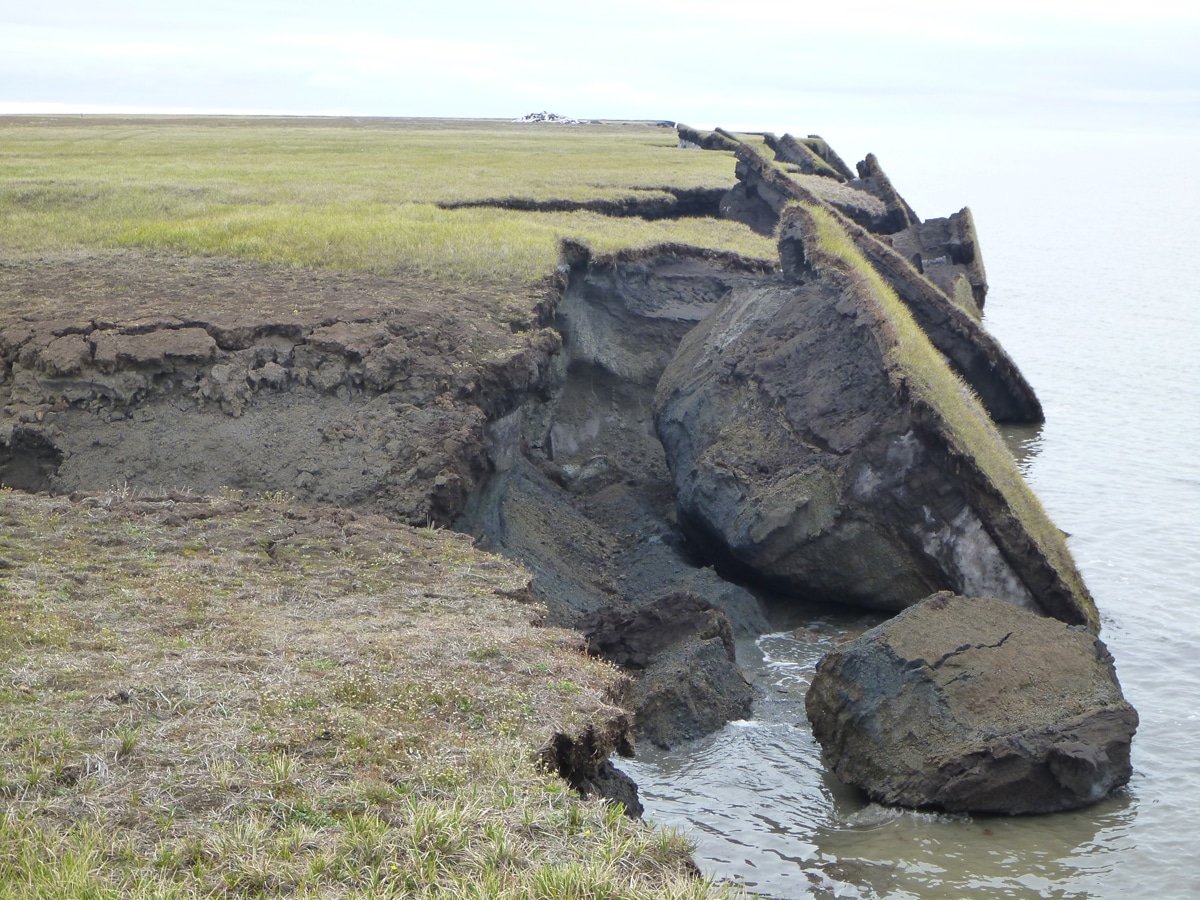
{"points": [[946, 250], [352, 390], [28, 461], [811, 430], [582, 493], [680, 202], [533, 430]]}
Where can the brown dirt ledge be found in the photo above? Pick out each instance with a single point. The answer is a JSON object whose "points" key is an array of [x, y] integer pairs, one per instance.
{"points": [[343, 389], [378, 394]]}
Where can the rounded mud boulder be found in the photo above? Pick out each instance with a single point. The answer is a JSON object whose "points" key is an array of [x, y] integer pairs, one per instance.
{"points": [[681, 651], [973, 705]]}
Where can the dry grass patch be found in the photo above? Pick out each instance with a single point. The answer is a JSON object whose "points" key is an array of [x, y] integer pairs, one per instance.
{"points": [[218, 697]]}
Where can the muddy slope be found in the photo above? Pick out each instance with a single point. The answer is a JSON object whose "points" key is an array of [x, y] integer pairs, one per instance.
{"points": [[582, 493], [396, 396]]}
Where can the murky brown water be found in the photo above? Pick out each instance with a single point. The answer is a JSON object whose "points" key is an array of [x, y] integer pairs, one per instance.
{"points": [[1094, 278]]}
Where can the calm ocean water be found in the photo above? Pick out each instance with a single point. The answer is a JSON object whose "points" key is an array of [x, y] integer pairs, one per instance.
{"points": [[1091, 247]]}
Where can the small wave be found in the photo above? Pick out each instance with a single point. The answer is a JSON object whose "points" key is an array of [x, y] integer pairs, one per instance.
{"points": [[875, 815]]}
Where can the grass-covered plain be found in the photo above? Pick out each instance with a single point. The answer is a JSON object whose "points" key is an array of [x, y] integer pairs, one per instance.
{"points": [[221, 697], [347, 195]]}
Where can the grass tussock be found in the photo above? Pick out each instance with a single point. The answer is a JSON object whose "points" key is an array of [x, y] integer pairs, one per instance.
{"points": [[345, 197], [968, 427], [218, 697]]}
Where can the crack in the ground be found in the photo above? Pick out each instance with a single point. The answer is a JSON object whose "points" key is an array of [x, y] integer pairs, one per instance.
{"points": [[966, 648], [682, 203]]}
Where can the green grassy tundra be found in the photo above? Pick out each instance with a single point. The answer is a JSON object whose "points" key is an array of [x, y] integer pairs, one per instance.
{"points": [[348, 196]]}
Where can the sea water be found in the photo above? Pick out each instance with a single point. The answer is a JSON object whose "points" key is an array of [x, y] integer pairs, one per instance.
{"points": [[1091, 246]]}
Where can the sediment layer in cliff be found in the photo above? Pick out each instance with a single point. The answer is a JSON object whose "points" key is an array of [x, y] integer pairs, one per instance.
{"points": [[353, 390], [582, 495]]}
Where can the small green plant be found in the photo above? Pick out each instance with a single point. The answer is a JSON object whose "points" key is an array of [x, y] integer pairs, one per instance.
{"points": [[281, 767], [482, 654], [127, 740], [322, 664], [222, 771]]}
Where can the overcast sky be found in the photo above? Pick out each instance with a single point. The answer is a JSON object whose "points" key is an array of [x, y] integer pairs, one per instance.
{"points": [[820, 66]]}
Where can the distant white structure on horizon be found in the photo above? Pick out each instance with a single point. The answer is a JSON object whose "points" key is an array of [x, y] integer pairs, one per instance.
{"points": [[552, 118]]}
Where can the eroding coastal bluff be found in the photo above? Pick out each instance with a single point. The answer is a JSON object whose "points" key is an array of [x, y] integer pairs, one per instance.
{"points": [[731, 388]]}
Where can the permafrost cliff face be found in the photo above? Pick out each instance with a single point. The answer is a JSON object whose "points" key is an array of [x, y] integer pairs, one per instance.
{"points": [[673, 431]]}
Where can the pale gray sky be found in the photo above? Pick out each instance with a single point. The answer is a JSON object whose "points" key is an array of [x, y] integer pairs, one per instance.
{"points": [[818, 67]]}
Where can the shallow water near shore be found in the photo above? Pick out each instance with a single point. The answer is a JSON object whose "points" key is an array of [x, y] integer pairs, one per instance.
{"points": [[1089, 243]]}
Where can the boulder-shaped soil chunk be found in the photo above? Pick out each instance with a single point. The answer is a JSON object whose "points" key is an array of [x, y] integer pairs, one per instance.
{"points": [[683, 652], [935, 266], [765, 187], [705, 140], [874, 180], [973, 705], [816, 438], [946, 251], [692, 689], [805, 156]]}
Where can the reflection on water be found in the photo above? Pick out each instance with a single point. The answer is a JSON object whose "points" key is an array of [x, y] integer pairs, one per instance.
{"points": [[1024, 443]]}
